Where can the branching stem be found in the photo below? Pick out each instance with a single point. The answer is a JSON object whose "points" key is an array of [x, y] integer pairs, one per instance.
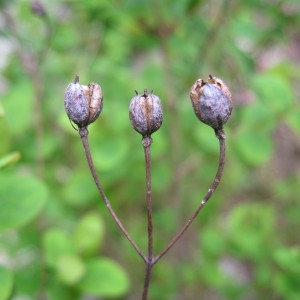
{"points": [[83, 132], [150, 260]]}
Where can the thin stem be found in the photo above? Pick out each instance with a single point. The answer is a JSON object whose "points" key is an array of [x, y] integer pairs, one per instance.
{"points": [[147, 147], [221, 136], [83, 132], [147, 280], [147, 141]]}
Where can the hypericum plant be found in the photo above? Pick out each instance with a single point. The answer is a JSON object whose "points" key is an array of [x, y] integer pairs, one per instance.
{"points": [[212, 104]]}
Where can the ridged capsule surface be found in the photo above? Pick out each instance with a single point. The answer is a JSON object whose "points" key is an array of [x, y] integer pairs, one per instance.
{"points": [[211, 101], [219, 83], [145, 113], [83, 104]]}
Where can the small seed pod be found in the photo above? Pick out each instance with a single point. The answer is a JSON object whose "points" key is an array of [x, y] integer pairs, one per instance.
{"points": [[219, 83], [211, 101], [145, 113], [83, 103]]}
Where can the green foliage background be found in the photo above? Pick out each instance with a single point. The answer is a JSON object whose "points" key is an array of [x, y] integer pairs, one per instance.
{"points": [[57, 239]]}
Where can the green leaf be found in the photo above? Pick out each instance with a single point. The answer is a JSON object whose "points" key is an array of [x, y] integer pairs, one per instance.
{"points": [[70, 269], [110, 153], [21, 199], [288, 259], [212, 242], [88, 234], [293, 119], [286, 286], [255, 148], [258, 117], [206, 139], [242, 26], [5, 136], [274, 91], [27, 276], [251, 227], [56, 290], [104, 278], [18, 105], [80, 190], [10, 158], [6, 283], [160, 177], [56, 244]]}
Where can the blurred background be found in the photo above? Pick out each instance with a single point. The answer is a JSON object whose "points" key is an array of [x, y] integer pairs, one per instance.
{"points": [[57, 240]]}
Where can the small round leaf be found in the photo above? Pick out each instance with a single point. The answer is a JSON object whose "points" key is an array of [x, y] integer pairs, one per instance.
{"points": [[56, 244], [70, 269], [104, 278], [88, 234], [21, 199]]}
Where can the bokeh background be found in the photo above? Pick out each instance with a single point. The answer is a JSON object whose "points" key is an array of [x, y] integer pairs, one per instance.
{"points": [[57, 240]]}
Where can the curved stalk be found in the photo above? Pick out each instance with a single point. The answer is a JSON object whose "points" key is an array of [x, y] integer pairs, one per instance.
{"points": [[83, 132], [221, 136]]}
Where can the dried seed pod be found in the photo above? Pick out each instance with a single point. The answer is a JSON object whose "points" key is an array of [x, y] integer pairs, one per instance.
{"points": [[211, 101], [145, 113], [219, 83], [83, 104]]}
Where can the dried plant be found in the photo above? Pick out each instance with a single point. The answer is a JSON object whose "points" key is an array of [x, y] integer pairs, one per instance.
{"points": [[212, 104]]}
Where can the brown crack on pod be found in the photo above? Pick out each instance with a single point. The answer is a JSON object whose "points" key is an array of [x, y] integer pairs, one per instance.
{"points": [[211, 101], [93, 95], [145, 113], [83, 104]]}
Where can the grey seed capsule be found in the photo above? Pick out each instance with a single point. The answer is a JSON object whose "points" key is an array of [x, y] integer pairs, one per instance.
{"points": [[83, 104], [211, 102], [219, 83], [145, 113]]}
